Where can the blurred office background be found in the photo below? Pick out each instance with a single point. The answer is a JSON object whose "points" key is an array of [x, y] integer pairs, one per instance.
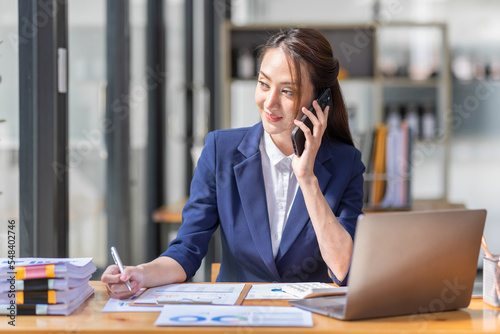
{"points": [[466, 171]]}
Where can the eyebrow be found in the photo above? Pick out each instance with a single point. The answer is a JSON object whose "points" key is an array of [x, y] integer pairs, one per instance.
{"points": [[281, 83]]}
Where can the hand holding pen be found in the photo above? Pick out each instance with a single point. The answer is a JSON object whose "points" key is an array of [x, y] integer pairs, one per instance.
{"points": [[118, 261]]}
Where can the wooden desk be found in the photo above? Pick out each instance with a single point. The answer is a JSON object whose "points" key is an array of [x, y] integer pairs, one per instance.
{"points": [[88, 318]]}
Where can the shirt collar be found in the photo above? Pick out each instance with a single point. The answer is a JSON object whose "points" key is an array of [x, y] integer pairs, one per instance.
{"points": [[273, 152]]}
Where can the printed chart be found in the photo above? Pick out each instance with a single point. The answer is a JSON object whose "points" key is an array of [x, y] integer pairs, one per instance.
{"points": [[210, 315]]}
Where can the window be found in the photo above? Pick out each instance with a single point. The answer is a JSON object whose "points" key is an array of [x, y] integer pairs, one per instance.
{"points": [[9, 122]]}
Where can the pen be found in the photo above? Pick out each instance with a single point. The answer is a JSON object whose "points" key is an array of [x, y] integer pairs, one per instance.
{"points": [[116, 257], [484, 246]]}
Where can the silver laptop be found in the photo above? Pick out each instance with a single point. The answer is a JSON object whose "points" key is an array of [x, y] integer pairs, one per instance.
{"points": [[408, 263]]}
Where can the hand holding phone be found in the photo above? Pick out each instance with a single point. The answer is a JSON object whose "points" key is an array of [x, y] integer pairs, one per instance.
{"points": [[298, 137], [118, 261]]}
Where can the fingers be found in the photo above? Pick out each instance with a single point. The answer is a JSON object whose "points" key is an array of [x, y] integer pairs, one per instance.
{"points": [[129, 273], [319, 121], [303, 127], [320, 118], [115, 281], [322, 115], [111, 274], [120, 291]]}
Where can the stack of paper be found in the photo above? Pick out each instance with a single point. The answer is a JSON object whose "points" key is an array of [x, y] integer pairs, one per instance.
{"points": [[44, 285]]}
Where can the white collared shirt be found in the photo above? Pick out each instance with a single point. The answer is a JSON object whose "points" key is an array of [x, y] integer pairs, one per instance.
{"points": [[281, 187]]}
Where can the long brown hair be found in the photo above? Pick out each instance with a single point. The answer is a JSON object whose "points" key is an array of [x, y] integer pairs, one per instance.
{"points": [[308, 47]]}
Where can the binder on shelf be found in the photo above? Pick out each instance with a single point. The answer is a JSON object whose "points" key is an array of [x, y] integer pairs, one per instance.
{"points": [[392, 194], [367, 143], [397, 164], [388, 174], [407, 163], [379, 158]]}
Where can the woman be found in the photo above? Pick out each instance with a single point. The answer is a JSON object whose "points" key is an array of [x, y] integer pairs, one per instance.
{"points": [[282, 217]]}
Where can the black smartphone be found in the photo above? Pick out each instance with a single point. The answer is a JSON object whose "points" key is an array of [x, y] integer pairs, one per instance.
{"points": [[298, 138]]}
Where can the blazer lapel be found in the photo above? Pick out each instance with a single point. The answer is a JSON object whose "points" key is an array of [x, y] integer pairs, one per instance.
{"points": [[299, 216], [250, 183]]}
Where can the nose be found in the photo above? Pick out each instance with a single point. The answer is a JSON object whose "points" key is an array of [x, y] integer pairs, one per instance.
{"points": [[272, 100]]}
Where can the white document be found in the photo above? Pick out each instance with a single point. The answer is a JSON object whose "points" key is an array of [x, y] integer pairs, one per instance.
{"points": [[211, 315], [33, 261], [123, 305], [268, 291], [63, 267], [192, 293]]}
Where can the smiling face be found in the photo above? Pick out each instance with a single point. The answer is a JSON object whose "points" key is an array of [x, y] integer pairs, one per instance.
{"points": [[274, 96]]}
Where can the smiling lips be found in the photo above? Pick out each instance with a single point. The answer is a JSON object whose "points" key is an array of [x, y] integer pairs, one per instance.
{"points": [[272, 118]]}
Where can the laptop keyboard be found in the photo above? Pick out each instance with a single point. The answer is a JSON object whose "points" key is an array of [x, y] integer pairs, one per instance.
{"points": [[312, 289]]}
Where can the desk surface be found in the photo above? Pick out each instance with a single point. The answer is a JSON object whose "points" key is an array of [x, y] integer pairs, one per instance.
{"points": [[88, 318]]}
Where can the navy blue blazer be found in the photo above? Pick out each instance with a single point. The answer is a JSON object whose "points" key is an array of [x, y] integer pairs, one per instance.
{"points": [[227, 191]]}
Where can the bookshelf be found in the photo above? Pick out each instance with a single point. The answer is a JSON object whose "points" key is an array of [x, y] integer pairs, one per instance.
{"points": [[401, 67]]}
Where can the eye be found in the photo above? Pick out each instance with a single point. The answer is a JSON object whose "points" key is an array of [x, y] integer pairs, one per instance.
{"points": [[287, 92], [263, 84]]}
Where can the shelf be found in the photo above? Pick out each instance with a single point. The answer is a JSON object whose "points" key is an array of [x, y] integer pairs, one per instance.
{"points": [[407, 82], [358, 79], [353, 45], [350, 79], [368, 93]]}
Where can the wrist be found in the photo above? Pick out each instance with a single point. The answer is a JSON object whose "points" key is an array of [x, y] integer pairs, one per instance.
{"points": [[142, 270], [308, 181]]}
